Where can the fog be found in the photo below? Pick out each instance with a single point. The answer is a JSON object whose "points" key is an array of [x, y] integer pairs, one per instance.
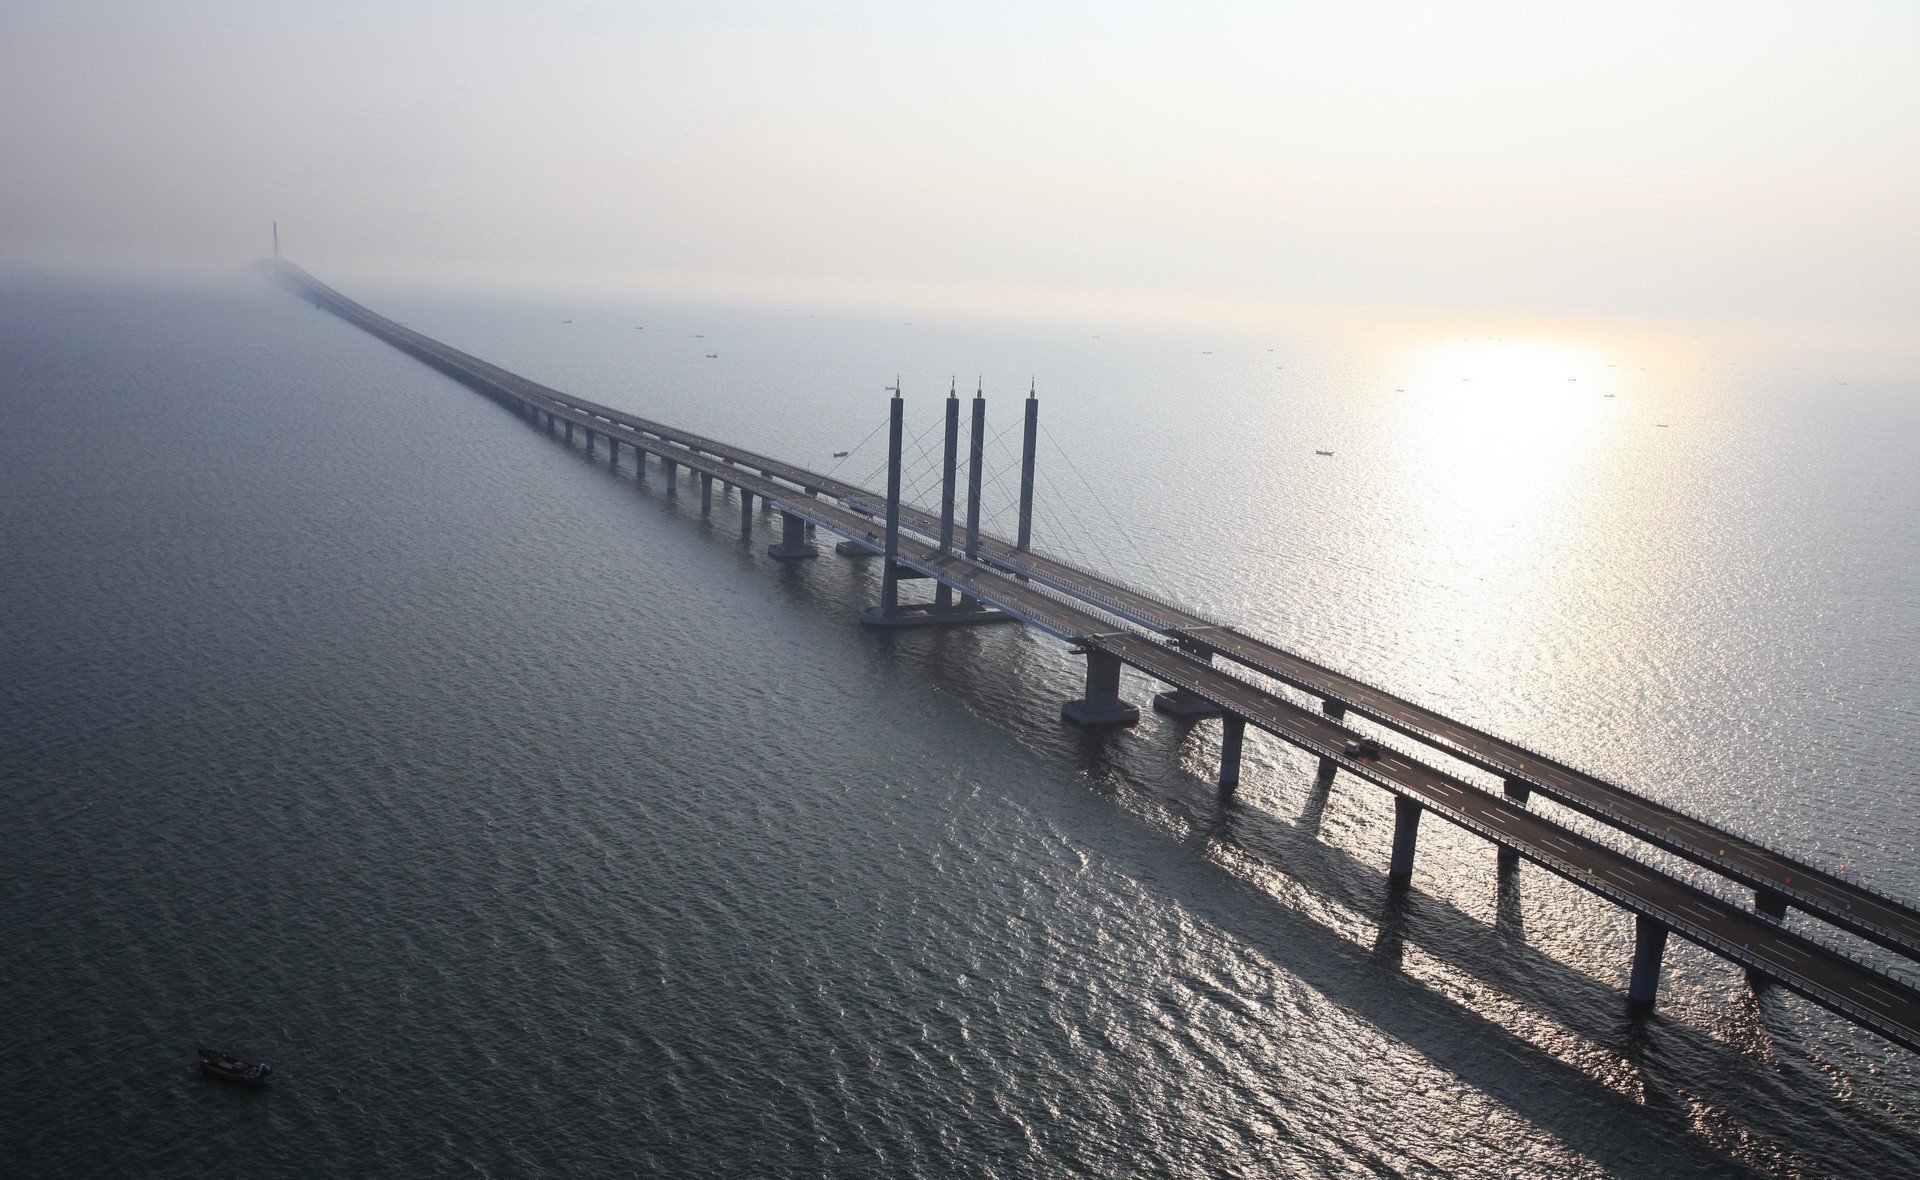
{"points": [[1755, 162]]}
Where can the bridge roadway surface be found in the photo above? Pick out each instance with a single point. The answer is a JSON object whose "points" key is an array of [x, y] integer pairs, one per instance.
{"points": [[1825, 895], [1763, 946]]}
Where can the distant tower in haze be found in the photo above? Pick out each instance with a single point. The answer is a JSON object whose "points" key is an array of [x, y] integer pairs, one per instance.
{"points": [[276, 239]]}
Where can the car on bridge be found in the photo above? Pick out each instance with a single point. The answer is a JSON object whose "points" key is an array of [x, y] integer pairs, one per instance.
{"points": [[1363, 750]]}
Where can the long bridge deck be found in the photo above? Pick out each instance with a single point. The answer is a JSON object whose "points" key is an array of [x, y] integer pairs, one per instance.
{"points": [[1757, 942], [1777, 877]]}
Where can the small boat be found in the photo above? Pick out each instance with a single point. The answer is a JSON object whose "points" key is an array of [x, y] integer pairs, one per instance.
{"points": [[841, 454], [216, 1064], [1608, 395], [1328, 454], [713, 356]]}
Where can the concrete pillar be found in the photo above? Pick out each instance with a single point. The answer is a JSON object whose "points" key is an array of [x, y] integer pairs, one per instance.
{"points": [[589, 442], [1328, 766], [673, 477], [1649, 945], [1406, 828], [975, 456], [943, 593], [746, 513], [889, 606], [1026, 473], [1102, 704], [792, 545], [1519, 792], [569, 430], [706, 493], [1181, 702], [1233, 732]]}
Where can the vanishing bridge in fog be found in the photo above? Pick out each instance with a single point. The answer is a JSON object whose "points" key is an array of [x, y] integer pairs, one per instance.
{"points": [[981, 578]]}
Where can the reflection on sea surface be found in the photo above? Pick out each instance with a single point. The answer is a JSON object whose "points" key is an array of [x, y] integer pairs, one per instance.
{"points": [[644, 856]]}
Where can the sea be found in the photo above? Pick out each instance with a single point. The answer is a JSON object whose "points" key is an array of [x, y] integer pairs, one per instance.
{"points": [[532, 821]]}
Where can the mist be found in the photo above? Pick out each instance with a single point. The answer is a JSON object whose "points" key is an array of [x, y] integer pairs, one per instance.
{"points": [[1752, 162]]}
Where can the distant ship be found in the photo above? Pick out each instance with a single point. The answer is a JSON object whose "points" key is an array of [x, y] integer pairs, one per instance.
{"points": [[841, 454], [1329, 454]]}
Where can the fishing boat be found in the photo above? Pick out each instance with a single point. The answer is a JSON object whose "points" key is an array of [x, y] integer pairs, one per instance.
{"points": [[216, 1064], [841, 454], [1328, 454]]}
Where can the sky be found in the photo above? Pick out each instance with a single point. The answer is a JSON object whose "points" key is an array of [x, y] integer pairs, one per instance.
{"points": [[1754, 162]]}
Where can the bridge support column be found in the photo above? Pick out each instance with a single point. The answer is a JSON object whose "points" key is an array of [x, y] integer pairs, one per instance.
{"points": [[673, 477], [1773, 905], [746, 514], [943, 593], [589, 442], [889, 606], [1032, 440], [792, 545], [1233, 732], [1102, 704], [1328, 766], [1184, 702], [942, 611], [706, 493], [1649, 947], [1519, 792], [569, 431], [1406, 828]]}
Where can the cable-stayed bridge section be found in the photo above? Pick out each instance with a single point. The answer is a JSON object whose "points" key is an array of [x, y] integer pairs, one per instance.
{"points": [[1093, 614]]}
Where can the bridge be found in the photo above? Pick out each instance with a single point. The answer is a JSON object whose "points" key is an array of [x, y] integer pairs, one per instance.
{"points": [[981, 578]]}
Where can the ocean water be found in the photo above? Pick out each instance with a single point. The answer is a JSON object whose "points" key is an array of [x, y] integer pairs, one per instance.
{"points": [[532, 823]]}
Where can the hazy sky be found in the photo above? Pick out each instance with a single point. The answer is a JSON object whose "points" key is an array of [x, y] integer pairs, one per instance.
{"points": [[1729, 160]]}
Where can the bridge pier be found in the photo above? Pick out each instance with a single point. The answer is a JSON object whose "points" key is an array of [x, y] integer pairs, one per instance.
{"points": [[1773, 905], [706, 493], [569, 432], [1649, 947], [673, 477], [1519, 792], [1328, 766], [792, 545], [1233, 733], [1184, 702], [589, 443], [1406, 828], [746, 514], [1102, 704]]}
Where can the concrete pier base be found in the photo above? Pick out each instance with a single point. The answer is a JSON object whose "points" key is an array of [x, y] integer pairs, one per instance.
{"points": [[1102, 705], [706, 493], [1233, 733], [746, 513], [927, 614], [1406, 828], [590, 437], [1649, 946], [793, 544], [673, 477], [1181, 702]]}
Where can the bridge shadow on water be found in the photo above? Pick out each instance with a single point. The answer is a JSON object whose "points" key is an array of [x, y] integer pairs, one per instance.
{"points": [[1759, 1101], [1671, 1093]]}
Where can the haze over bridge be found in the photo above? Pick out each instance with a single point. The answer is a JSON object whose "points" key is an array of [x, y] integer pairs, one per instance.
{"points": [[982, 578]]}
